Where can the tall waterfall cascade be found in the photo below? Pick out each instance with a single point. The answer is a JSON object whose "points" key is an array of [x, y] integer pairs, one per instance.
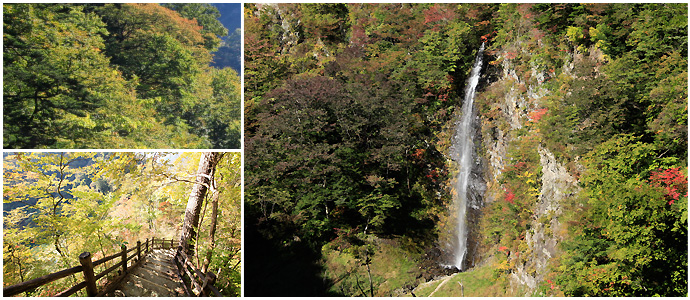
{"points": [[462, 153]]}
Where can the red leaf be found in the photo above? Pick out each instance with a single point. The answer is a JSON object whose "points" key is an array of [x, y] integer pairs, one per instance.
{"points": [[509, 196], [672, 180]]}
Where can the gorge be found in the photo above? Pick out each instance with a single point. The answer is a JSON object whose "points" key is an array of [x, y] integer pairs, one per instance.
{"points": [[354, 140]]}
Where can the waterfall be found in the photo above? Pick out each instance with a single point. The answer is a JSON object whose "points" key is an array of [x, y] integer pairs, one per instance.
{"points": [[462, 152]]}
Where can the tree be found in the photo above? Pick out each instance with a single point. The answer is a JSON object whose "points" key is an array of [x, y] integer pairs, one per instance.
{"points": [[226, 181], [223, 248], [52, 214], [630, 230], [190, 225], [216, 111], [114, 76], [206, 15], [262, 58], [158, 46], [325, 21], [56, 78], [168, 56]]}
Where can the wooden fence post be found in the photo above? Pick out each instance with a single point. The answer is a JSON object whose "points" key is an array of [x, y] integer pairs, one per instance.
{"points": [[178, 256], [208, 282], [87, 265], [147, 245], [124, 259], [138, 251]]}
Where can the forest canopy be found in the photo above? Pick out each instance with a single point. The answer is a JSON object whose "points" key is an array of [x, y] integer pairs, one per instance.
{"points": [[116, 76]]}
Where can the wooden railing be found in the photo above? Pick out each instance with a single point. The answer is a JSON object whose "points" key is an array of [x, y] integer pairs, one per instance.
{"points": [[87, 266], [195, 282]]}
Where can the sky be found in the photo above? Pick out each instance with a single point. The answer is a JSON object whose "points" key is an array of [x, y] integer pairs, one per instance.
{"points": [[230, 15]]}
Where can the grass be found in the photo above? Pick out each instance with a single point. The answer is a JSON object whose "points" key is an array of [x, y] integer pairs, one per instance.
{"points": [[477, 282], [392, 269], [426, 289]]}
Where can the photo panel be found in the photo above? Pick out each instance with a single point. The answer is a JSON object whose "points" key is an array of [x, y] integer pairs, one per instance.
{"points": [[152, 224], [466, 149], [122, 76]]}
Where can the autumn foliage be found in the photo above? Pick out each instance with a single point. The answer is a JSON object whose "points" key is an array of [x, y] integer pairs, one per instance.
{"points": [[114, 76], [673, 181]]}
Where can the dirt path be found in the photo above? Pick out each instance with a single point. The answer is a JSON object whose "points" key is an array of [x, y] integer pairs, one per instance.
{"points": [[441, 284]]}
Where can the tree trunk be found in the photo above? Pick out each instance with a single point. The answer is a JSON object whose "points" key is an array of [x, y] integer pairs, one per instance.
{"points": [[207, 165], [212, 234], [371, 282]]}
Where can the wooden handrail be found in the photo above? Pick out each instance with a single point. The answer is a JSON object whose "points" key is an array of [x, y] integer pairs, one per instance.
{"points": [[108, 270], [105, 259], [70, 291], [204, 283], [33, 283], [123, 254], [162, 243], [207, 288], [131, 256], [87, 269]]}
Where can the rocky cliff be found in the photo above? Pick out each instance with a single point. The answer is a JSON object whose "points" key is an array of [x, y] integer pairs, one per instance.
{"points": [[511, 103]]}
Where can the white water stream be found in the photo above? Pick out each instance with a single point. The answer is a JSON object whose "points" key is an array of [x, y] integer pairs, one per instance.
{"points": [[462, 153]]}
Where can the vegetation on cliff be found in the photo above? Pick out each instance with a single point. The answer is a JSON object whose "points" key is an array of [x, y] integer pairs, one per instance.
{"points": [[605, 89]]}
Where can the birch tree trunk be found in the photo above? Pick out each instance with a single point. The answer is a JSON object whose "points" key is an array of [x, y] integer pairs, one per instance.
{"points": [[207, 166]]}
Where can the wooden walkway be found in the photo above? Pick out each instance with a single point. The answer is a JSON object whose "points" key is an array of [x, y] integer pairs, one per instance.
{"points": [[153, 269], [156, 276]]}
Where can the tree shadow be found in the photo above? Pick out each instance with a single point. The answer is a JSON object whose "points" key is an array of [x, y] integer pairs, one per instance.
{"points": [[277, 268]]}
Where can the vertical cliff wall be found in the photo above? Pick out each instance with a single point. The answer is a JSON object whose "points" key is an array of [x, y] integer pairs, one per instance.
{"points": [[510, 108]]}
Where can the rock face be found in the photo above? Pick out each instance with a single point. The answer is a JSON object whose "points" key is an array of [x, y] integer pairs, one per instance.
{"points": [[556, 184], [517, 98], [542, 238], [476, 191], [287, 32]]}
